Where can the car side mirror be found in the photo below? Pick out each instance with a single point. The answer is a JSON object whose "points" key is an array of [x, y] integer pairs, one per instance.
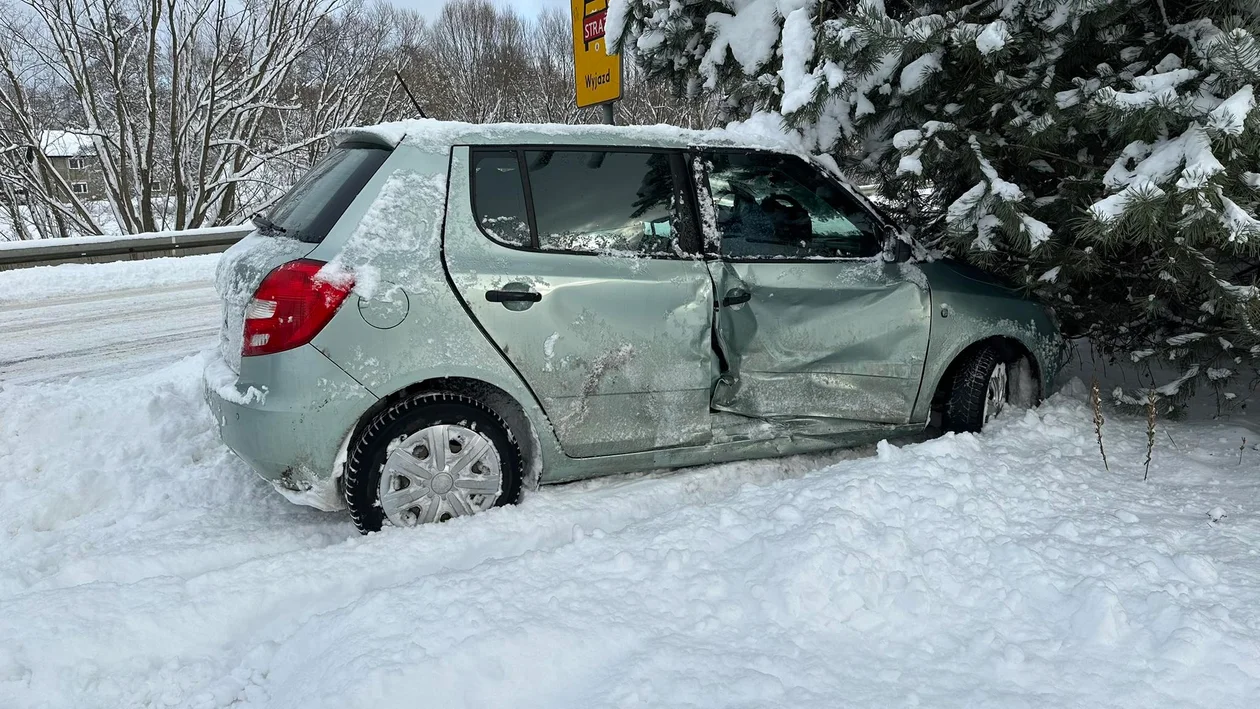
{"points": [[896, 249]]}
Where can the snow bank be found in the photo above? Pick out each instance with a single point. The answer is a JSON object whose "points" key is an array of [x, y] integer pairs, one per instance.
{"points": [[26, 285], [141, 565]]}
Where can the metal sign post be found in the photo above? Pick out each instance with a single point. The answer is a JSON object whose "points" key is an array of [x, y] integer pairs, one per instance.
{"points": [[596, 73]]}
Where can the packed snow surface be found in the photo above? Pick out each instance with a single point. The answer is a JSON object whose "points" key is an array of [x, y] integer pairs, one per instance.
{"points": [[117, 332], [142, 565], [59, 322]]}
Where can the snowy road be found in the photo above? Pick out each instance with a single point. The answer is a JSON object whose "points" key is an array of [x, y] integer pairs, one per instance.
{"points": [[110, 333], [142, 565]]}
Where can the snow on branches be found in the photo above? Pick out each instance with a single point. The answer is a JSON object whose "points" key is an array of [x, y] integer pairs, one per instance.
{"points": [[1114, 143]]}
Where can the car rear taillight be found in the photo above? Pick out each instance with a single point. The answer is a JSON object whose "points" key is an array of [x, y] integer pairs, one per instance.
{"points": [[291, 306]]}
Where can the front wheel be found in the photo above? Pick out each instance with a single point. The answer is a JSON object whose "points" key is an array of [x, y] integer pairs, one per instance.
{"points": [[979, 391], [429, 458]]}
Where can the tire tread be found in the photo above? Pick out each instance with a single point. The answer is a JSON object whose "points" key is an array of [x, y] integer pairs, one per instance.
{"points": [[964, 409], [364, 443]]}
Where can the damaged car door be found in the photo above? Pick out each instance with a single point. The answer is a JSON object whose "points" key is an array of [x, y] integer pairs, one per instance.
{"points": [[588, 276], [812, 321]]}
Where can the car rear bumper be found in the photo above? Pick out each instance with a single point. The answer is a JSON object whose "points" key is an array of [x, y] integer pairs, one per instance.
{"points": [[288, 416]]}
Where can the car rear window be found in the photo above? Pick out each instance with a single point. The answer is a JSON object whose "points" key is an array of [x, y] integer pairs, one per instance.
{"points": [[585, 200], [309, 210], [499, 197], [626, 203]]}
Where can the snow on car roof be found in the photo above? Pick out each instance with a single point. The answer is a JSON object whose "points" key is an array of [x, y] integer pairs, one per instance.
{"points": [[762, 131], [759, 132]]}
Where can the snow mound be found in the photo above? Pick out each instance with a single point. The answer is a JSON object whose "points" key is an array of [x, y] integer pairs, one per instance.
{"points": [[141, 565], [26, 285]]}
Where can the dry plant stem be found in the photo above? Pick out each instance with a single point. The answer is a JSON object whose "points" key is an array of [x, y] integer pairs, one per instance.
{"points": [[1241, 449], [1151, 398], [1096, 401]]}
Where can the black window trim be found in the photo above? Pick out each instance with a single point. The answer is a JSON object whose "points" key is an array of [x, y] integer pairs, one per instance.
{"points": [[527, 193], [879, 219], [695, 253]]}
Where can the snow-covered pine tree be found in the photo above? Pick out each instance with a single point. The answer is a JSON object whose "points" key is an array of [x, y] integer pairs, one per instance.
{"points": [[1102, 153]]}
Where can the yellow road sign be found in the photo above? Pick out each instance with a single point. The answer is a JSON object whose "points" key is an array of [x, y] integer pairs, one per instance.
{"points": [[597, 74]]}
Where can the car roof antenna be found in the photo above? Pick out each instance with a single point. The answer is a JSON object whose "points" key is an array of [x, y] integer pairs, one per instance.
{"points": [[414, 102]]}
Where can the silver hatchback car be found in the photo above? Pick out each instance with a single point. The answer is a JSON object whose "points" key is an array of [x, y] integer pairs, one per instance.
{"points": [[440, 315]]}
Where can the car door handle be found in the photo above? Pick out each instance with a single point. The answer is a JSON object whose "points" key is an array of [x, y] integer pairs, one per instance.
{"points": [[513, 296], [736, 296]]}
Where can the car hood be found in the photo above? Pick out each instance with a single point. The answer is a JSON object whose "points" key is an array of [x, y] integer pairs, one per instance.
{"points": [[958, 277]]}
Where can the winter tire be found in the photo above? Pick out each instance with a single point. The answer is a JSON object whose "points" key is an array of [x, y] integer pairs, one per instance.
{"points": [[978, 392], [429, 458]]}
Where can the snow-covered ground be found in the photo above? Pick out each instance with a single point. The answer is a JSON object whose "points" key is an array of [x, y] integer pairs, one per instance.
{"points": [[41, 283], [96, 319], [142, 565]]}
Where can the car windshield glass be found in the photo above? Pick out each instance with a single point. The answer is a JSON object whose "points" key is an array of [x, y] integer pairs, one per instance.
{"points": [[310, 209]]}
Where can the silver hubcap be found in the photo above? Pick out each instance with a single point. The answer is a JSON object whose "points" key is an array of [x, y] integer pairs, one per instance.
{"points": [[995, 394], [437, 473]]}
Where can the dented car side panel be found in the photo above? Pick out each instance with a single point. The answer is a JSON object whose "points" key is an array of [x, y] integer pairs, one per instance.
{"points": [[838, 339], [616, 348], [969, 307]]}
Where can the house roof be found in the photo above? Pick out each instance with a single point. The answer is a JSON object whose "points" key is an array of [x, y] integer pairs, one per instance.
{"points": [[66, 144]]}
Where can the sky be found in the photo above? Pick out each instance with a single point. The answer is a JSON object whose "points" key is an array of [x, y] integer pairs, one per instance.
{"points": [[430, 8]]}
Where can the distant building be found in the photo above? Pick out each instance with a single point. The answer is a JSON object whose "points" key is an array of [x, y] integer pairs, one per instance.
{"points": [[73, 156]]}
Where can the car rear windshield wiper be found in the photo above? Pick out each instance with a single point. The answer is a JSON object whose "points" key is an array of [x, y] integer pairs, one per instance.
{"points": [[266, 226]]}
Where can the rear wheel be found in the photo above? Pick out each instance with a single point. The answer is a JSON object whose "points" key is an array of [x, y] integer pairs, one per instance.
{"points": [[979, 391], [429, 458]]}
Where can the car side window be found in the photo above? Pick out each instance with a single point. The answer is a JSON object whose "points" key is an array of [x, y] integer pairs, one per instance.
{"points": [[499, 197], [772, 206], [602, 200]]}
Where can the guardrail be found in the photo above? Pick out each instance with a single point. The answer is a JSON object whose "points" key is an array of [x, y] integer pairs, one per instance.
{"points": [[102, 249]]}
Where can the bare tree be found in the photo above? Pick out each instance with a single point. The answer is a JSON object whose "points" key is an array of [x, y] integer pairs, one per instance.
{"points": [[473, 63], [201, 111], [192, 105]]}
